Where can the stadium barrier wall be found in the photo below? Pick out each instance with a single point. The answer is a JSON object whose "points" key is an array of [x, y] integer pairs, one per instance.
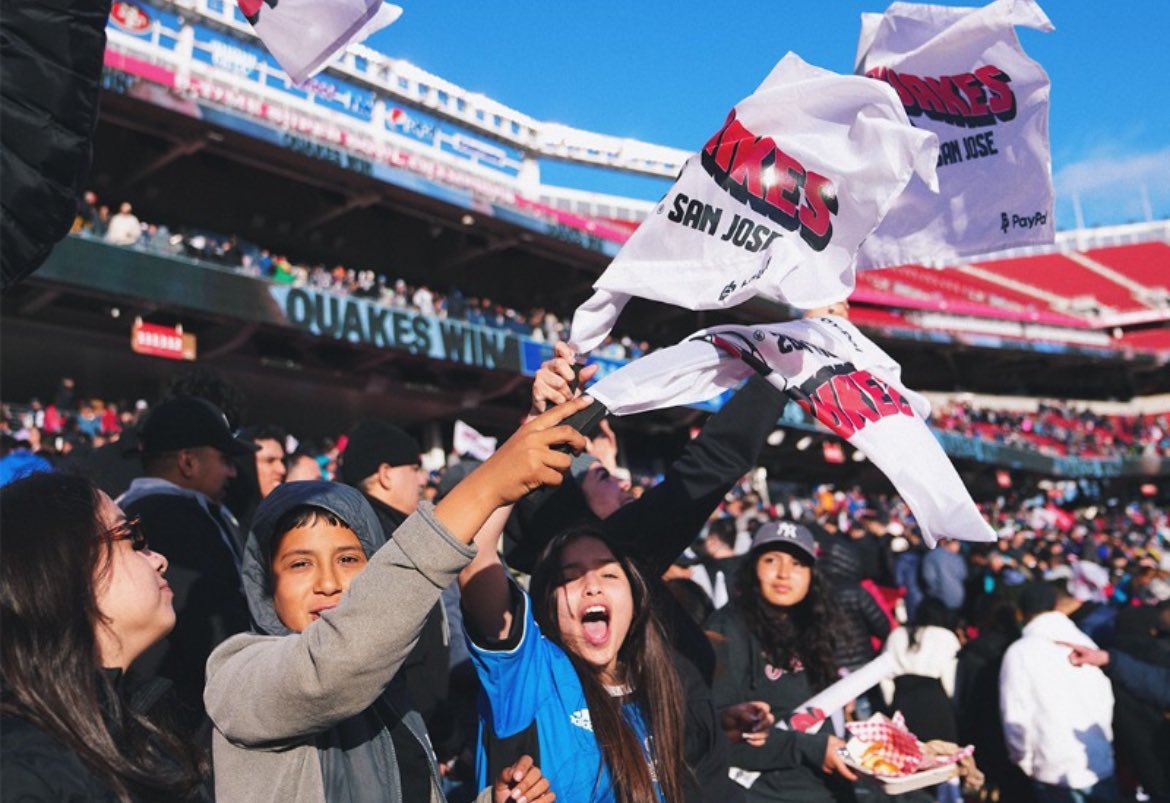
{"points": [[182, 283]]}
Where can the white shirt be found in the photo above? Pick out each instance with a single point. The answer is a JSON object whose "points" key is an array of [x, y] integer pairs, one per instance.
{"points": [[1057, 718], [124, 229], [936, 655]]}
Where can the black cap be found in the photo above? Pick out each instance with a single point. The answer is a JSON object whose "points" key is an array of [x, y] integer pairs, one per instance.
{"points": [[780, 533], [372, 443], [187, 423]]}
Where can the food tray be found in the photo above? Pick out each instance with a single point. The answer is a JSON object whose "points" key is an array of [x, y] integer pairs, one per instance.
{"points": [[898, 784]]}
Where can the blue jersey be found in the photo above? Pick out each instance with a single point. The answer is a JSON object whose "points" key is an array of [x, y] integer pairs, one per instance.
{"points": [[535, 683]]}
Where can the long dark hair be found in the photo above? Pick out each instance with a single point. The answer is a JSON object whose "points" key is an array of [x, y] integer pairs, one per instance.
{"points": [[50, 537], [929, 613], [799, 633], [648, 667]]}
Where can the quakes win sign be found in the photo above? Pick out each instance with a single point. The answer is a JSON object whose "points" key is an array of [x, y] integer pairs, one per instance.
{"points": [[372, 324]]}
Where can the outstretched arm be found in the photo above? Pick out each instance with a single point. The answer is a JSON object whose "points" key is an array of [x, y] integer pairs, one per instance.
{"points": [[659, 526], [526, 461], [340, 663]]}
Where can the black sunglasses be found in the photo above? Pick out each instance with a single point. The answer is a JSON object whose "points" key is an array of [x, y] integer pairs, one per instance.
{"points": [[130, 530]]}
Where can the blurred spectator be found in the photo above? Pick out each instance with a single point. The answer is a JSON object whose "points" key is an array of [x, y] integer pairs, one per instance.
{"points": [[1057, 718], [101, 224], [270, 469], [186, 450], [977, 698], [302, 466], [17, 460], [717, 562], [87, 212], [926, 653], [944, 571], [124, 228]]}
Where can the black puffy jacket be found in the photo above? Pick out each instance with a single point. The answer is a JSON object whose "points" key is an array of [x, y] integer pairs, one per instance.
{"points": [[51, 62], [861, 616]]}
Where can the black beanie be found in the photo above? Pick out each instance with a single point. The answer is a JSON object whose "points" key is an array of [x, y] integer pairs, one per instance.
{"points": [[372, 443]]}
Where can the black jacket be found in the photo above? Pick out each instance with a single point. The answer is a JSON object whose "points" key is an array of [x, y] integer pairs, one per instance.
{"points": [[34, 766], [51, 61], [209, 598], [860, 615], [790, 762], [980, 724]]}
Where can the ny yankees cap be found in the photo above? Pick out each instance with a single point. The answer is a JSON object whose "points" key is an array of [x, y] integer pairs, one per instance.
{"points": [[779, 533]]}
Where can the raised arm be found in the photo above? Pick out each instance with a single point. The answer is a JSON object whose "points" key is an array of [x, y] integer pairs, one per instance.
{"points": [[526, 461], [299, 685], [486, 597], [659, 526]]}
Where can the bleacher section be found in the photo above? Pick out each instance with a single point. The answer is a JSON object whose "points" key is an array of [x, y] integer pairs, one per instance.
{"points": [[1151, 340], [1147, 264], [951, 289], [1085, 289]]}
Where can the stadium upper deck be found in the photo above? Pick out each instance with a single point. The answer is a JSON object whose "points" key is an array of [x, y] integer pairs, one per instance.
{"points": [[379, 164], [370, 107]]}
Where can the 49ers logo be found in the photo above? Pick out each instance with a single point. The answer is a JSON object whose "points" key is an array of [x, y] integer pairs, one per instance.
{"points": [[756, 172], [971, 99]]}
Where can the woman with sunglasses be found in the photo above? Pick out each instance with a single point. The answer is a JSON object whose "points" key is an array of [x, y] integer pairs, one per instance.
{"points": [[81, 596]]}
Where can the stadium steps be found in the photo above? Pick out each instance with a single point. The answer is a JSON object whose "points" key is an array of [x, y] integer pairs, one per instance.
{"points": [[1079, 288], [1144, 265], [1147, 296], [1051, 300]]}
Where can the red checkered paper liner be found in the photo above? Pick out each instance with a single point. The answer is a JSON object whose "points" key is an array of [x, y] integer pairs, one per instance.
{"points": [[899, 746], [895, 744]]}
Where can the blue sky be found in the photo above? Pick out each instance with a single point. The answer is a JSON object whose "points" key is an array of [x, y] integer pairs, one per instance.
{"points": [[668, 72]]}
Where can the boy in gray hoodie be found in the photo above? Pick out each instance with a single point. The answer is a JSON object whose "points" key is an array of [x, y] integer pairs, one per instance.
{"points": [[306, 707]]}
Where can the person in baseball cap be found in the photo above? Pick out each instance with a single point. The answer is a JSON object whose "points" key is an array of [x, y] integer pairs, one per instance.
{"points": [[188, 441], [186, 446], [776, 640], [382, 461]]}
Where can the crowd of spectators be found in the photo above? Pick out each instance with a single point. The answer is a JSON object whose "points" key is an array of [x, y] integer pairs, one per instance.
{"points": [[1069, 560], [125, 229], [1059, 429], [1055, 428]]}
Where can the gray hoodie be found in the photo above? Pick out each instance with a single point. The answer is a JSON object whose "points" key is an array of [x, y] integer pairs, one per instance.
{"points": [[306, 716]]}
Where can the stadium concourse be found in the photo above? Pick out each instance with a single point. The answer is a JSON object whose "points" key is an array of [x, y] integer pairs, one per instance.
{"points": [[379, 245]]}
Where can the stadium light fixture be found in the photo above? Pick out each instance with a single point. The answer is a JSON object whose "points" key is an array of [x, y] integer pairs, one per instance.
{"points": [[467, 220], [804, 443], [776, 437]]}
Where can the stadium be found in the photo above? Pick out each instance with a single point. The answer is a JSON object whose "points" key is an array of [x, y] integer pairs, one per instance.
{"points": [[378, 166], [380, 244]]}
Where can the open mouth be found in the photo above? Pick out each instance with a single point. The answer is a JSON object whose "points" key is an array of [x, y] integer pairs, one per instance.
{"points": [[595, 625]]}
